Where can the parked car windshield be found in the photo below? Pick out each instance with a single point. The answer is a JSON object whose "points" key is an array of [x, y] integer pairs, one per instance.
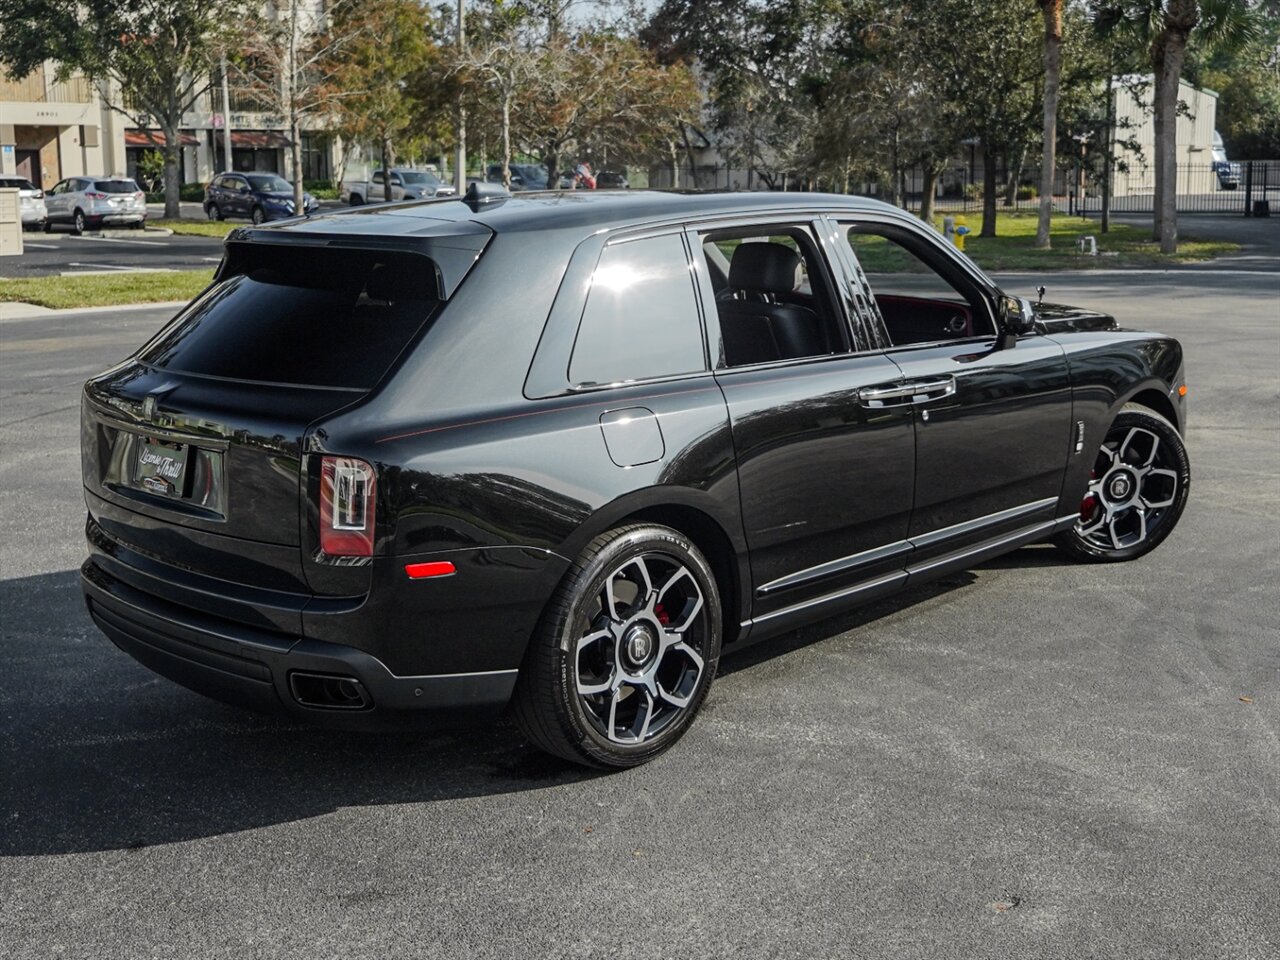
{"points": [[115, 186], [302, 316], [419, 176], [270, 184]]}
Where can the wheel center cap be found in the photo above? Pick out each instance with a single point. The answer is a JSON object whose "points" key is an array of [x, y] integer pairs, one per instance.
{"points": [[1119, 487], [638, 645]]}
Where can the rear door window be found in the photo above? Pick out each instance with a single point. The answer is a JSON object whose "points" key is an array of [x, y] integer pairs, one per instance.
{"points": [[302, 316], [641, 316], [115, 186]]}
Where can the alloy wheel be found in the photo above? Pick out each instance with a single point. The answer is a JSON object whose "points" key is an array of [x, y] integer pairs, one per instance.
{"points": [[639, 660], [1131, 490]]}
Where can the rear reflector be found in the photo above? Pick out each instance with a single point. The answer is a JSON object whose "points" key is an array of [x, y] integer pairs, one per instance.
{"points": [[437, 568], [347, 502]]}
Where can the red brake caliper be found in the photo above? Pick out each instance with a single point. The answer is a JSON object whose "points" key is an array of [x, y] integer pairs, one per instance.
{"points": [[1089, 505], [664, 618]]}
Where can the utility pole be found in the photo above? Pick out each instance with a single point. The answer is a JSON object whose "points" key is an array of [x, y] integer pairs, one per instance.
{"points": [[226, 117], [460, 174]]}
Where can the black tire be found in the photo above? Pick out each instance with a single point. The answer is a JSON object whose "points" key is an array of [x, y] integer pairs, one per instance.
{"points": [[548, 704], [48, 226], [1158, 490], [213, 212], [355, 200], [257, 216], [78, 223]]}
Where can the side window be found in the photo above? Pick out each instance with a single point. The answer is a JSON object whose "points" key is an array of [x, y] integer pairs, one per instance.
{"points": [[377, 176], [641, 316], [773, 298], [917, 293]]}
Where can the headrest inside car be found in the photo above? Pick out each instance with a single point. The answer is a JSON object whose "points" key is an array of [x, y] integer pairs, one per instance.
{"points": [[766, 267]]}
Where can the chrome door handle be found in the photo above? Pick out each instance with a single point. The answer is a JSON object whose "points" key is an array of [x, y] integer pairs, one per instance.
{"points": [[914, 391]]}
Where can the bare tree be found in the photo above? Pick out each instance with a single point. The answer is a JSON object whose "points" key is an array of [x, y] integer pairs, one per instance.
{"points": [[285, 65]]}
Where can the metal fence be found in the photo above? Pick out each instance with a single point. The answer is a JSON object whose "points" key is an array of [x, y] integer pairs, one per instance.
{"points": [[1247, 188]]}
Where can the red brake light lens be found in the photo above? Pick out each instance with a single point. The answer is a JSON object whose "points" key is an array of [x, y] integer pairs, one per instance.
{"points": [[347, 502], [93, 195]]}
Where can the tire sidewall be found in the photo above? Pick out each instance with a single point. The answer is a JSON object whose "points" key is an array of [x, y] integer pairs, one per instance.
{"points": [[1168, 434], [629, 544]]}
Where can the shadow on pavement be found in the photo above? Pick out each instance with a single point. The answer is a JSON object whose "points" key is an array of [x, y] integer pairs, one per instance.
{"points": [[97, 753]]}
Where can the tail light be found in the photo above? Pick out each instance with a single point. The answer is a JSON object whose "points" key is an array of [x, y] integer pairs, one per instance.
{"points": [[39, 194], [139, 195], [347, 501], [93, 195]]}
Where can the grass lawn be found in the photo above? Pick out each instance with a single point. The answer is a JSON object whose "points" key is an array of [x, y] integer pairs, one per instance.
{"points": [[102, 290], [198, 228], [1012, 247]]}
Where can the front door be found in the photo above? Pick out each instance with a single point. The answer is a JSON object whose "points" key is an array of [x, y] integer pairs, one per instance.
{"points": [[992, 418], [825, 482]]}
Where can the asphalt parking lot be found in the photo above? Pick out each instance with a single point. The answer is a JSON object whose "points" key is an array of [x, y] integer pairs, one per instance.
{"points": [[60, 253], [1030, 759]]}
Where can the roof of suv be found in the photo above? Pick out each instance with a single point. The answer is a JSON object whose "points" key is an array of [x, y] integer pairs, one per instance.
{"points": [[563, 209]]}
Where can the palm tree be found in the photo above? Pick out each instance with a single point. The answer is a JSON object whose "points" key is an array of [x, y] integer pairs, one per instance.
{"points": [[1164, 28]]}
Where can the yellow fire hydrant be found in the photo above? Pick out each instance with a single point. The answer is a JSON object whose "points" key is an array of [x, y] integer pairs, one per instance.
{"points": [[962, 230]]}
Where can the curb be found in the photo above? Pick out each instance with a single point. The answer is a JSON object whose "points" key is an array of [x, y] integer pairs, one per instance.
{"points": [[30, 311]]}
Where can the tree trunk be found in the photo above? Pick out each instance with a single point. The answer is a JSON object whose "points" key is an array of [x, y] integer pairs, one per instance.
{"points": [[295, 157], [386, 168], [1052, 10], [172, 172], [1014, 176], [551, 160], [1109, 157], [988, 192], [688, 152], [675, 165], [506, 142], [1170, 52], [929, 188]]}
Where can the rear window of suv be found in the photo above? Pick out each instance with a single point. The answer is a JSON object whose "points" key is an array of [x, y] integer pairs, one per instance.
{"points": [[115, 186], [302, 316]]}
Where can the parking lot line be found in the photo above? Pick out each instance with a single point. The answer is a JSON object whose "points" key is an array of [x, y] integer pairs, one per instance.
{"points": [[40, 246], [140, 243]]}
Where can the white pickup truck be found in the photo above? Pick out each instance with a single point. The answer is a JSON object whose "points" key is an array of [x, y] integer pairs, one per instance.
{"points": [[405, 185]]}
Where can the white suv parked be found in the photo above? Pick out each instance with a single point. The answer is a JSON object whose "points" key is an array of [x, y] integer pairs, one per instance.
{"points": [[88, 202], [30, 201]]}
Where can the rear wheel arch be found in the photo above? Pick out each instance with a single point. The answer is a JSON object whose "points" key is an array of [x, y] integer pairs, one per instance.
{"points": [[726, 556]]}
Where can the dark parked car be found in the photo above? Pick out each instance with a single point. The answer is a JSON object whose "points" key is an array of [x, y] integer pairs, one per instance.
{"points": [[524, 176], [254, 196], [564, 452]]}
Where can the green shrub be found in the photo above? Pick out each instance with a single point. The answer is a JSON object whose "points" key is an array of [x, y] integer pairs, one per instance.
{"points": [[1027, 192], [973, 191]]}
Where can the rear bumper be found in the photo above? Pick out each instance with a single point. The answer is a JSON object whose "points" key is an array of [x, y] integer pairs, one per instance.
{"points": [[239, 664]]}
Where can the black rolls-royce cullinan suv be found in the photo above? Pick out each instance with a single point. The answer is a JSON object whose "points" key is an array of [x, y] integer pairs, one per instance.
{"points": [[562, 451]]}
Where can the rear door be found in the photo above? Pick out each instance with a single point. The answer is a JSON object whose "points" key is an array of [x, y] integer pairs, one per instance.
{"points": [[992, 417], [825, 481]]}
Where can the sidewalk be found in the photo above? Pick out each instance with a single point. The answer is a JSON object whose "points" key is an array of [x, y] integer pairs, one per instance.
{"points": [[31, 311]]}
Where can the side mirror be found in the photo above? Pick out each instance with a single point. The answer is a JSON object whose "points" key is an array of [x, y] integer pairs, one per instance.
{"points": [[1017, 318]]}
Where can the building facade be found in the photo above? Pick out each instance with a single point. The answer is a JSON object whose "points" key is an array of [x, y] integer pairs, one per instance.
{"points": [[51, 129]]}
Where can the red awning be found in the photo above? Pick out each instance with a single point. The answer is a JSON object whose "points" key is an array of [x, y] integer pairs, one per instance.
{"points": [[139, 138], [259, 139]]}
